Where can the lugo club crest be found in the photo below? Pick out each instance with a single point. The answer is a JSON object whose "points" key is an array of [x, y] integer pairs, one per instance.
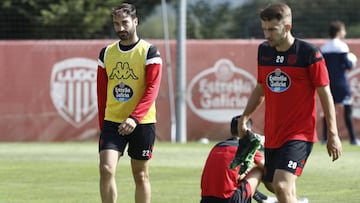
{"points": [[354, 80], [217, 92], [73, 90]]}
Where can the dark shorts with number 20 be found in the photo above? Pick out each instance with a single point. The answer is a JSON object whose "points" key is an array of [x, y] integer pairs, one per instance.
{"points": [[291, 157], [140, 142]]}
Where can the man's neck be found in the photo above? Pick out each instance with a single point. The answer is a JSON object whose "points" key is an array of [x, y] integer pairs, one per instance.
{"points": [[130, 41], [288, 42]]}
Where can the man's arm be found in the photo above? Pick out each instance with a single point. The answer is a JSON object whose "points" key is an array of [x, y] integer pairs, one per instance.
{"points": [[152, 83], [334, 147], [255, 100], [153, 79], [102, 81]]}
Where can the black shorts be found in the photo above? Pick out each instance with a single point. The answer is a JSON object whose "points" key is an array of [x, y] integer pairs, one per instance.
{"points": [[291, 157], [140, 142], [241, 195]]}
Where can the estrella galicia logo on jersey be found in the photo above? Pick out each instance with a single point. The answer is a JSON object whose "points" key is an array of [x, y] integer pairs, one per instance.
{"points": [[278, 81], [123, 92], [123, 71]]}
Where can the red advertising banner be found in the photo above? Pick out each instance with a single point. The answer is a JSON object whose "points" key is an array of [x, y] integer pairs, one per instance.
{"points": [[49, 88]]}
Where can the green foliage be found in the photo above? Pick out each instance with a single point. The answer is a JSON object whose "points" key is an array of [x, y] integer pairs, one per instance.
{"points": [[310, 17], [152, 26], [246, 20], [64, 19], [85, 18], [54, 19], [207, 21], [89, 19], [353, 31]]}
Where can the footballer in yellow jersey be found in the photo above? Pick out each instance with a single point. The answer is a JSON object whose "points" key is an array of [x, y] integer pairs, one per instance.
{"points": [[128, 80], [132, 79]]}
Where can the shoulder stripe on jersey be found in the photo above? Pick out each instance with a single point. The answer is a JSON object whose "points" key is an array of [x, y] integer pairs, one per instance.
{"points": [[101, 64], [102, 53], [152, 52], [102, 57], [155, 60]]}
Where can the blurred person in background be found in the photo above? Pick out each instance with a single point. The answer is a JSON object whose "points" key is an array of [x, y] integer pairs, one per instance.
{"points": [[339, 60], [128, 80]]}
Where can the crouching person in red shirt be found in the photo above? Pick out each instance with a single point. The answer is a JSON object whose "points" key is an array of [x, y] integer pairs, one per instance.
{"points": [[220, 184]]}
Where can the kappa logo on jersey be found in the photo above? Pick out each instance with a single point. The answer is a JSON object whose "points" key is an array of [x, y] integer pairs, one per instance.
{"points": [[123, 71], [73, 90], [278, 81], [122, 92]]}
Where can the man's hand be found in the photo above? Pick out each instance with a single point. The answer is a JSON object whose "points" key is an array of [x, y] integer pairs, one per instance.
{"points": [[127, 127], [245, 152], [334, 147], [242, 128]]}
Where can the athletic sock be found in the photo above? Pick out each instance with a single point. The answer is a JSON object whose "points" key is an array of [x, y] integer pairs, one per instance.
{"points": [[259, 197]]}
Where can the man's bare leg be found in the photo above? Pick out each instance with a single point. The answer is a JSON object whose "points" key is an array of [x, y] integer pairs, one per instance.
{"points": [[140, 170], [284, 185], [107, 167]]}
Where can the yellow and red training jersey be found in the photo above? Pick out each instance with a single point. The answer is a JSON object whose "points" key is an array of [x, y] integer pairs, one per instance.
{"points": [[128, 82]]}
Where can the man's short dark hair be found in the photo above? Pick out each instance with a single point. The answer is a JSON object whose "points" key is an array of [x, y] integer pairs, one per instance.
{"points": [[124, 8], [278, 11], [234, 124], [335, 27]]}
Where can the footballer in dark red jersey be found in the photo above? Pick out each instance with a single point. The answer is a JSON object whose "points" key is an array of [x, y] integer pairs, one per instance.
{"points": [[290, 73]]}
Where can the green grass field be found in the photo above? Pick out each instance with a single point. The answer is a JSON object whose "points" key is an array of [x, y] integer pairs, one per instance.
{"points": [[68, 172]]}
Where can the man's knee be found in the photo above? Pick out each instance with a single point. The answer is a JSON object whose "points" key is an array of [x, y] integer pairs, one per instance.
{"points": [[106, 170], [140, 170], [283, 187], [140, 177]]}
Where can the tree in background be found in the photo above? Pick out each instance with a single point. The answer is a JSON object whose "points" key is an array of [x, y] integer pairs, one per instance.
{"points": [[90, 19], [311, 17], [62, 19], [29, 19], [205, 21]]}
